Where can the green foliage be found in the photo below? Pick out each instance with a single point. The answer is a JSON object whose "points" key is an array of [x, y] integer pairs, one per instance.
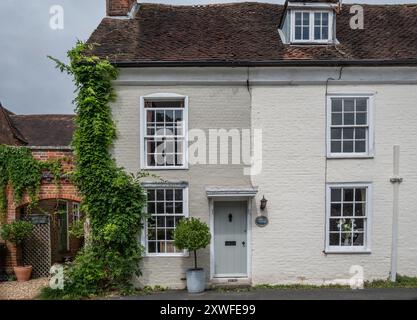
{"points": [[77, 229], [192, 234], [113, 201], [19, 169], [401, 282], [16, 232]]}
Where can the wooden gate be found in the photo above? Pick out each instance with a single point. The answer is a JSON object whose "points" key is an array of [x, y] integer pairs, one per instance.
{"points": [[37, 248]]}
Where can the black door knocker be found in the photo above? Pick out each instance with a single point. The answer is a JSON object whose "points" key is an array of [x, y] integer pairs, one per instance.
{"points": [[230, 217]]}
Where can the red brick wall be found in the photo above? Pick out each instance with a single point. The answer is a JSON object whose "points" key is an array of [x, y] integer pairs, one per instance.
{"points": [[48, 190], [119, 7]]}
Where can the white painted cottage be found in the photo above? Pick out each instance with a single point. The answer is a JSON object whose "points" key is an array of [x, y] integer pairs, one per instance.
{"points": [[300, 104]]}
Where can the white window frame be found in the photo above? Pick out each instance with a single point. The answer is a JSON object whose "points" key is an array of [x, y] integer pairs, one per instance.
{"points": [[369, 153], [366, 248], [311, 27], [144, 234], [76, 217], [162, 97]]}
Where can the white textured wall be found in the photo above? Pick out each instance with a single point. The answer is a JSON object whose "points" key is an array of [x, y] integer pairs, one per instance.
{"points": [[290, 248], [209, 107]]}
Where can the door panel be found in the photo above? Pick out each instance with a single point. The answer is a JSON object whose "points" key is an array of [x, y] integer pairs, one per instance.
{"points": [[230, 238]]}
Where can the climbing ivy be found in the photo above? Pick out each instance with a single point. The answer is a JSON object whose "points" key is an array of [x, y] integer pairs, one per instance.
{"points": [[113, 200], [23, 172]]}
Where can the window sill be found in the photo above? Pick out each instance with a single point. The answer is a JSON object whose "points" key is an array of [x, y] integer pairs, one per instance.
{"points": [[350, 156], [165, 168], [166, 255], [347, 251]]}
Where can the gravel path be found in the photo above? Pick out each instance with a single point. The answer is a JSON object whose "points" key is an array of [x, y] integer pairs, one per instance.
{"points": [[13, 290]]}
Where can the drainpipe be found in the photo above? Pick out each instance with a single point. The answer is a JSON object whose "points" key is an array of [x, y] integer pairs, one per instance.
{"points": [[395, 180]]}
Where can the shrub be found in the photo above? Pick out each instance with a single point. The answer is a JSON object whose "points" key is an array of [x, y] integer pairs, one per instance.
{"points": [[192, 234], [16, 232]]}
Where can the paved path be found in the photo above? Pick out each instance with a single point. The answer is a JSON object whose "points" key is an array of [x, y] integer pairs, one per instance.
{"points": [[287, 294]]}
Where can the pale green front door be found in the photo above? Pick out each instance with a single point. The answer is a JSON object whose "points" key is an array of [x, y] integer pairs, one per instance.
{"points": [[230, 239]]}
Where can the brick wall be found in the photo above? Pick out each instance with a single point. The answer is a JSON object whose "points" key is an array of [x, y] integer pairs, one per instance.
{"points": [[48, 191]]}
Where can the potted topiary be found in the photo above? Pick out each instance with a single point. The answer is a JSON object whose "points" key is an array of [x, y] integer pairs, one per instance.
{"points": [[16, 232], [192, 234]]}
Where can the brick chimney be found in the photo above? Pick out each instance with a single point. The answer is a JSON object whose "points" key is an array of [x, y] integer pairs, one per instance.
{"points": [[119, 7]]}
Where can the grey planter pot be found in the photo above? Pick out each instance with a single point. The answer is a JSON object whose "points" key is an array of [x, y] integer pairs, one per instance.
{"points": [[196, 280]]}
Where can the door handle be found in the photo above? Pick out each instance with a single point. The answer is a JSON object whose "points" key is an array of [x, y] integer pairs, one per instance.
{"points": [[243, 243]]}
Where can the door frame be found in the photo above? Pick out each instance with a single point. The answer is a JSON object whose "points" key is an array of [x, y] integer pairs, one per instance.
{"points": [[248, 202]]}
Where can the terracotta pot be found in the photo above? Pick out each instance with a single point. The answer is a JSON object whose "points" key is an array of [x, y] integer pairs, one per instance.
{"points": [[23, 273]]}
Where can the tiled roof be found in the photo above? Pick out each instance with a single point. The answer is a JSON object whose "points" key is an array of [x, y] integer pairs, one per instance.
{"points": [[45, 130], [246, 33]]}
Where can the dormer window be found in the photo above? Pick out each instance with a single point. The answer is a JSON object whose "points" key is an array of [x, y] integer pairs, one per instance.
{"points": [[311, 26], [309, 22]]}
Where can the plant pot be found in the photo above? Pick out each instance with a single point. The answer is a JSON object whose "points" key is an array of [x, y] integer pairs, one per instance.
{"points": [[23, 273], [196, 280]]}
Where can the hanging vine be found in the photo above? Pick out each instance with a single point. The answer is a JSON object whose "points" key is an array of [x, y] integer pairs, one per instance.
{"points": [[23, 173], [113, 201]]}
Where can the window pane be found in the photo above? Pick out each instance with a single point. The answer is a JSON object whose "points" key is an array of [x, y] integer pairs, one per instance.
{"points": [[347, 209], [335, 209], [347, 194], [361, 105], [151, 234], [170, 222], [160, 115], [178, 194], [160, 194], [334, 239], [306, 18], [360, 133], [336, 134], [348, 133], [360, 209], [334, 224], [358, 225], [160, 208], [306, 33], [169, 116], [336, 118], [336, 194], [325, 19], [298, 18], [297, 33], [317, 33], [349, 105], [151, 207], [360, 194], [178, 208], [348, 118], [336, 146], [346, 239], [317, 19], [348, 146], [337, 105], [360, 146], [358, 239], [151, 222], [151, 247], [325, 33], [361, 118], [169, 194], [160, 222], [151, 194], [170, 234]]}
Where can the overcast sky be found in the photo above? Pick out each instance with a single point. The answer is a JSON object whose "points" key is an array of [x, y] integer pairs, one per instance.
{"points": [[29, 83]]}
